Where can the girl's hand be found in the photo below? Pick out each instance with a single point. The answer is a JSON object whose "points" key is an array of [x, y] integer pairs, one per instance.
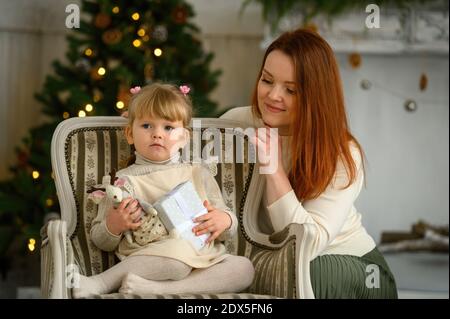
{"points": [[268, 146], [125, 217], [215, 222], [124, 114]]}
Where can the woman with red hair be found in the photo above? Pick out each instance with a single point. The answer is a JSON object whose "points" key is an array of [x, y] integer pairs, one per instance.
{"points": [[319, 167]]}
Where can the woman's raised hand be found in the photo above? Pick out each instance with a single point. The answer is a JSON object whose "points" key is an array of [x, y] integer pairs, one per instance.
{"points": [[268, 147]]}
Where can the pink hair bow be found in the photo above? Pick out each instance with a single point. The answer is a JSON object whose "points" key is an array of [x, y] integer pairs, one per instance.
{"points": [[135, 90], [185, 89]]}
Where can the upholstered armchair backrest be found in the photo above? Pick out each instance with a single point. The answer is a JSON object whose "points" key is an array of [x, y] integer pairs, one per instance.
{"points": [[86, 149]]}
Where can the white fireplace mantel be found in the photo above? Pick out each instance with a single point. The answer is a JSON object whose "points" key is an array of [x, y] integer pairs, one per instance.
{"points": [[407, 31]]}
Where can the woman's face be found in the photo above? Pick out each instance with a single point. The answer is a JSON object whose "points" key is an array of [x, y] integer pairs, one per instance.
{"points": [[277, 91]]}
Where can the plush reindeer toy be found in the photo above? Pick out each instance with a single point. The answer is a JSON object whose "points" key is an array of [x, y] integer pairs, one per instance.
{"points": [[116, 193]]}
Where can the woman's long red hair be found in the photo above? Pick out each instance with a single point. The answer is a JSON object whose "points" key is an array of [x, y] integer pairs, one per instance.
{"points": [[319, 122]]}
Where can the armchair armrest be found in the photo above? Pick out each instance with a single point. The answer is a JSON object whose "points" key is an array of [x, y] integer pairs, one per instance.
{"points": [[282, 263], [54, 260]]}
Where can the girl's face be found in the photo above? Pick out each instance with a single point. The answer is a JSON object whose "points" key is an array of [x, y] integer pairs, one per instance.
{"points": [[277, 91], [156, 139]]}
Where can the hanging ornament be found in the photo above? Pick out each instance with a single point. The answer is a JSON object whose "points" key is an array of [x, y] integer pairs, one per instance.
{"points": [[366, 84], [83, 65], [423, 83], [179, 14], [112, 36], [355, 60], [102, 20], [160, 33], [410, 105]]}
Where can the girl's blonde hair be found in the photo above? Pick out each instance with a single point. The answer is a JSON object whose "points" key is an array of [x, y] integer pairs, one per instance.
{"points": [[160, 100]]}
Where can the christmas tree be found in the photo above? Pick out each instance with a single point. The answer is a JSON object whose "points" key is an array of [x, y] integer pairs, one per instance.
{"points": [[119, 44]]}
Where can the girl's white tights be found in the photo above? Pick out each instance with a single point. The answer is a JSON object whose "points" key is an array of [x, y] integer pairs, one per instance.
{"points": [[233, 274], [162, 275]]}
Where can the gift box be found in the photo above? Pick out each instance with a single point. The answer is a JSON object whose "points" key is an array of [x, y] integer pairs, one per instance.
{"points": [[177, 208]]}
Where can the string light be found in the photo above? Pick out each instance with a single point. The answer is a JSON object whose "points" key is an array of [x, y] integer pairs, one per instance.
{"points": [[31, 244], [81, 113], [141, 32], [66, 115], [88, 52], [120, 105], [116, 10], [35, 174], [101, 71], [89, 107], [157, 52], [49, 202], [135, 16], [145, 38], [137, 43]]}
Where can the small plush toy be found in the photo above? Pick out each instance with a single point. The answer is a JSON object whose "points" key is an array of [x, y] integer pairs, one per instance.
{"points": [[116, 193]]}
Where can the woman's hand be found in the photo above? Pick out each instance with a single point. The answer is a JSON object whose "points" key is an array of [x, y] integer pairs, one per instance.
{"points": [[268, 146], [216, 221], [125, 217]]}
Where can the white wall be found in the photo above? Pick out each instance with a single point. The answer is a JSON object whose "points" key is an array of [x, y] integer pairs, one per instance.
{"points": [[408, 153]]}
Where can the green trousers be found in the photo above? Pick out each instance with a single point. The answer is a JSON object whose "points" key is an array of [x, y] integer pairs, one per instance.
{"points": [[352, 277]]}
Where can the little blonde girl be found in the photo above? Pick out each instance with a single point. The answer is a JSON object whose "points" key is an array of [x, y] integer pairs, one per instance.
{"points": [[154, 261]]}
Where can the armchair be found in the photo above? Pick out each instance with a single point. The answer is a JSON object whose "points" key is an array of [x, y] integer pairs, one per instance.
{"points": [[85, 149]]}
